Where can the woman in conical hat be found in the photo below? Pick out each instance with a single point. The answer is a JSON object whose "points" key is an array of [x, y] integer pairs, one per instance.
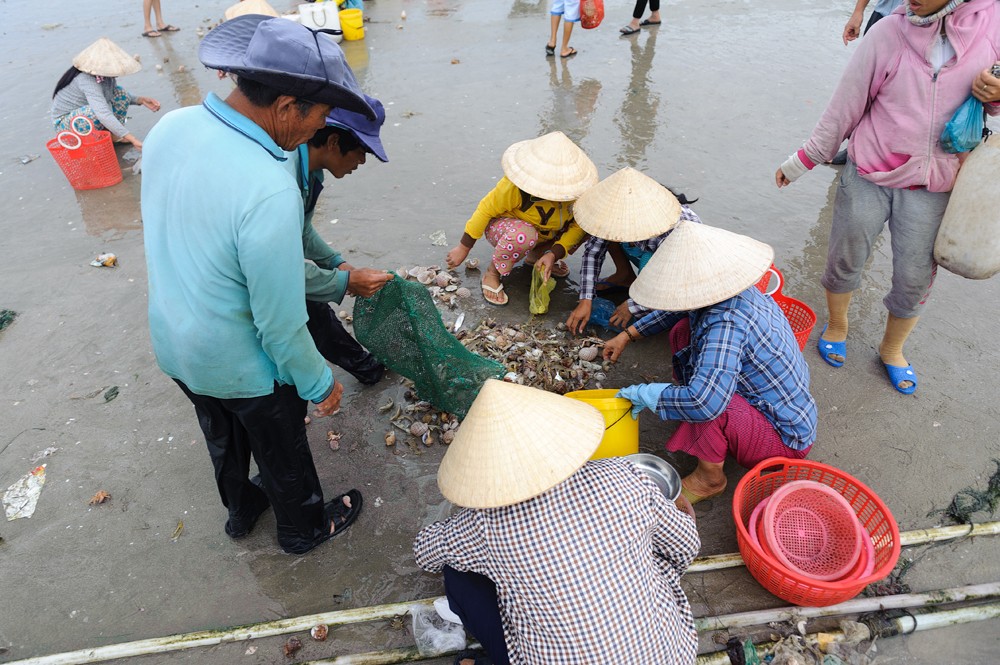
{"points": [[90, 88], [627, 216], [741, 385], [529, 214], [550, 552]]}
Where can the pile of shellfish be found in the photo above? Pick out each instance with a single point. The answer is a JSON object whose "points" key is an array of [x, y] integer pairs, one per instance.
{"points": [[445, 286], [538, 356], [418, 421]]}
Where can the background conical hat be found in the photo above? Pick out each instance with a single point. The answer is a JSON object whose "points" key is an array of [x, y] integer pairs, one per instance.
{"points": [[627, 207], [250, 7], [697, 266], [550, 167], [515, 443], [105, 58]]}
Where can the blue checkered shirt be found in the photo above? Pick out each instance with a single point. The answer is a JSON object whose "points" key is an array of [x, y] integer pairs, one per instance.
{"points": [[596, 249], [588, 572], [741, 345]]}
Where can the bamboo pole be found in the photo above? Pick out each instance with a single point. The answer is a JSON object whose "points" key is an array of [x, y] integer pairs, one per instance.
{"points": [[855, 606], [363, 614]]}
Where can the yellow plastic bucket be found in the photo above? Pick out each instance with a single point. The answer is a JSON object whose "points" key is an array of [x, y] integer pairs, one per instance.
{"points": [[621, 431], [352, 22]]}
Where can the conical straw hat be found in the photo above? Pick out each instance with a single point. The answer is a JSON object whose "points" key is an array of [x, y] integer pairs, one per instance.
{"points": [[550, 167], [627, 207], [515, 443], [250, 7], [105, 58], [697, 266]]}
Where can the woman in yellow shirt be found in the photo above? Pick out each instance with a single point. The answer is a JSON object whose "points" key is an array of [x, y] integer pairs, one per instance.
{"points": [[529, 214]]}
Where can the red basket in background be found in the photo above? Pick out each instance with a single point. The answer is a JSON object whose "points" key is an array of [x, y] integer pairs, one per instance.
{"points": [[876, 521], [800, 316], [87, 157]]}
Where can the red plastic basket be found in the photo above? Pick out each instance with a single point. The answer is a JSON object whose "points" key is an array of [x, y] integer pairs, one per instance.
{"points": [[87, 159], [800, 316], [873, 514]]}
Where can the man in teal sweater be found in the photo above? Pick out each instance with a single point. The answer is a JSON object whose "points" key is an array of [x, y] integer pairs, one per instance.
{"points": [[223, 236]]}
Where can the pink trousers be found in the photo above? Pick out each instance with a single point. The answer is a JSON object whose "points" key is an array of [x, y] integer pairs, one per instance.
{"points": [[741, 432]]}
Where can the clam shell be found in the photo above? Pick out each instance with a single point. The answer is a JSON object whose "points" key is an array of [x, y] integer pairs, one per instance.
{"points": [[442, 279], [426, 277], [472, 264], [451, 287], [463, 292], [447, 436], [416, 270], [319, 632], [588, 353], [418, 428]]}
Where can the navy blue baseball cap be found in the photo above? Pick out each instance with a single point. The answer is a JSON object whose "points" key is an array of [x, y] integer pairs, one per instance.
{"points": [[365, 129], [286, 56]]}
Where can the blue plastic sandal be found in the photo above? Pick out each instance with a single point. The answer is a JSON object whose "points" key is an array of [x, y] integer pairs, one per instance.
{"points": [[827, 349], [900, 374]]}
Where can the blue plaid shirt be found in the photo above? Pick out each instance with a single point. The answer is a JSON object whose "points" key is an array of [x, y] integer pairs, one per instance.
{"points": [[596, 249], [741, 345]]}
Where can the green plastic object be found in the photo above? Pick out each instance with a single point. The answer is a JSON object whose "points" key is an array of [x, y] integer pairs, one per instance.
{"points": [[402, 327], [538, 297]]}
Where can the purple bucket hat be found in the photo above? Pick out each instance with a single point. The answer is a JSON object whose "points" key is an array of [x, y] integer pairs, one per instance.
{"points": [[366, 130], [286, 56]]}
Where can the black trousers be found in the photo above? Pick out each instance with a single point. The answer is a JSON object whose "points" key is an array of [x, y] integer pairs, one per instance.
{"points": [[473, 597], [872, 20], [271, 429], [338, 346], [640, 7]]}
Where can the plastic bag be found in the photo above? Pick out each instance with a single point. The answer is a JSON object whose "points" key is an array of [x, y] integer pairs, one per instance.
{"points": [[601, 310], [434, 635], [538, 297], [591, 13], [965, 129]]}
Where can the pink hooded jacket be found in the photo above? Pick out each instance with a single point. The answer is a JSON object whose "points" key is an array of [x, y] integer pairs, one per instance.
{"points": [[894, 107]]}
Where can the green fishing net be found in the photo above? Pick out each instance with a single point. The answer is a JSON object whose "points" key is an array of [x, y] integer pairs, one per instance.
{"points": [[401, 327], [7, 317]]}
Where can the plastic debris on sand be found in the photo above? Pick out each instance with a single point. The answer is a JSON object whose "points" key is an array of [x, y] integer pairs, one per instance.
{"points": [[21, 498]]}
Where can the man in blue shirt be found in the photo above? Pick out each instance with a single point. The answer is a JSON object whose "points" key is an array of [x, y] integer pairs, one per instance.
{"points": [[223, 236], [741, 384]]}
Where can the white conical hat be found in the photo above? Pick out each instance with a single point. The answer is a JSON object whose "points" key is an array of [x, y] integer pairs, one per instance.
{"points": [[250, 7], [699, 265], [550, 167], [515, 443], [105, 58], [627, 207]]}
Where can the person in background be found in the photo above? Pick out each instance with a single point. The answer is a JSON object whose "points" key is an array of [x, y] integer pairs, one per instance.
{"points": [[552, 558], [90, 88], [529, 214], [905, 81], [339, 148], [567, 11], [654, 16], [222, 225], [741, 385], [148, 8], [637, 213]]}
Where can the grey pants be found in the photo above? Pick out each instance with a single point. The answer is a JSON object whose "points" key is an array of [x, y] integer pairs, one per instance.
{"points": [[860, 212]]}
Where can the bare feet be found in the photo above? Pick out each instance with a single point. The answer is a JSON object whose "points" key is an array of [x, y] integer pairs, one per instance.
{"points": [[347, 503]]}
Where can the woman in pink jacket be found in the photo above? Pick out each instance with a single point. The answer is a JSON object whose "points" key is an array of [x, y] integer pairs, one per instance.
{"points": [[907, 78]]}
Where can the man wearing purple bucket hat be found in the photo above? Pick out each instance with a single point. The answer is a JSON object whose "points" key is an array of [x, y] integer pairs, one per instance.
{"points": [[223, 224], [340, 148]]}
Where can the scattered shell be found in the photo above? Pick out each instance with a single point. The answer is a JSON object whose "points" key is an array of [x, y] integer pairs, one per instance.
{"points": [[428, 439], [560, 326], [343, 314], [333, 438], [455, 61], [292, 646], [588, 353], [319, 632], [442, 279], [416, 270], [451, 288], [390, 438], [447, 436], [472, 264], [402, 14], [463, 292], [181, 69], [166, 59], [159, 68], [349, 319], [425, 277], [418, 428], [600, 376]]}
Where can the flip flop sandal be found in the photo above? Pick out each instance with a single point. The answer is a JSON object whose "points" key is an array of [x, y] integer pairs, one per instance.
{"points": [[497, 292], [152, 34], [237, 528], [169, 28], [560, 269], [572, 52], [695, 498], [549, 50], [900, 374], [628, 30], [648, 22], [829, 349]]}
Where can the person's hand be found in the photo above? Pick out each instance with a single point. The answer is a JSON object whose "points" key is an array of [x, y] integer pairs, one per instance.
{"points": [[579, 317], [331, 404], [366, 282], [149, 103], [986, 87], [852, 30], [455, 257], [133, 140], [643, 396], [545, 263], [621, 316], [613, 347], [685, 506], [780, 179]]}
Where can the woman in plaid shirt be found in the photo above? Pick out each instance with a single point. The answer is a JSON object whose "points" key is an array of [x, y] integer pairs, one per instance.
{"points": [[741, 384], [553, 558]]}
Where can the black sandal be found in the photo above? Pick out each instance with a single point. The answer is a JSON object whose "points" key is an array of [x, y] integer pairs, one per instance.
{"points": [[338, 515], [549, 50]]}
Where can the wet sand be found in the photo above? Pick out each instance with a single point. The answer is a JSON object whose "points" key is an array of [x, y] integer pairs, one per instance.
{"points": [[709, 103]]}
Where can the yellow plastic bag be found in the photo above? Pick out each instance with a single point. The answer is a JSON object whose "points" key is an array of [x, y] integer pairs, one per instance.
{"points": [[538, 297]]}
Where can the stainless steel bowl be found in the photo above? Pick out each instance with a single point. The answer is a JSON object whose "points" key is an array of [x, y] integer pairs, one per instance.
{"points": [[662, 473]]}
